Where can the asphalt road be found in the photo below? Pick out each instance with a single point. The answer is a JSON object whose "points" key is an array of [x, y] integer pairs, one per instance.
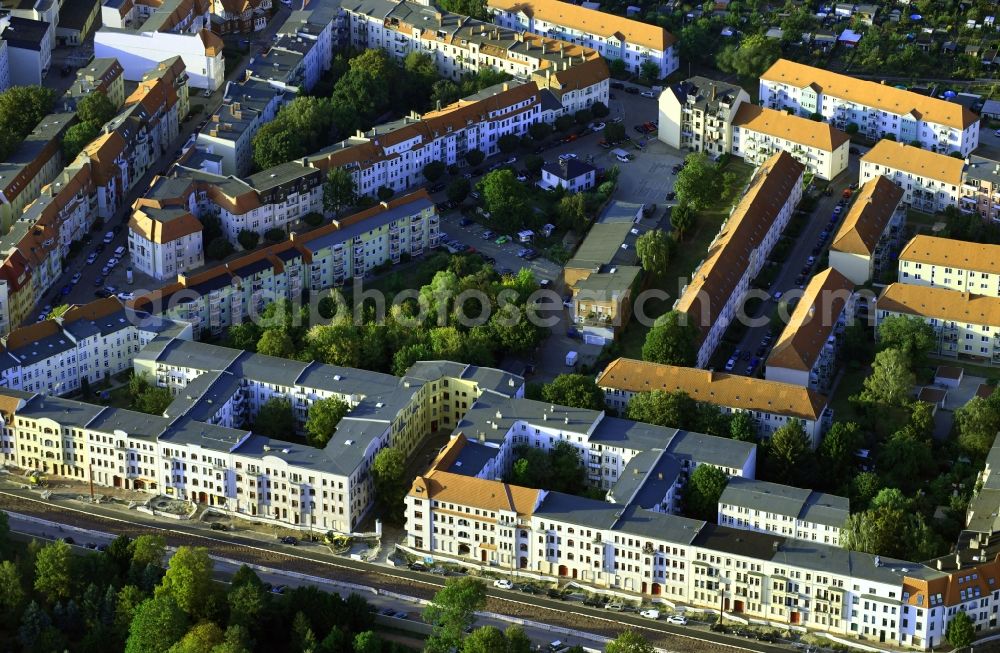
{"points": [[77, 513]]}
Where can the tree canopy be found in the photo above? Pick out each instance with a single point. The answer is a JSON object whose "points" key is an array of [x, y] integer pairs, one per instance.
{"points": [[324, 415], [891, 381], [451, 611], [908, 334], [698, 184], [576, 390], [391, 483], [672, 340], [750, 58], [702, 492]]}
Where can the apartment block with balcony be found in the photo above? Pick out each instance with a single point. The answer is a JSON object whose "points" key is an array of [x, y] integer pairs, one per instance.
{"points": [[614, 37], [930, 182], [865, 245], [958, 265], [878, 110], [772, 404], [698, 113], [737, 254], [966, 326], [759, 132], [240, 16], [800, 514], [980, 191], [247, 106], [807, 352]]}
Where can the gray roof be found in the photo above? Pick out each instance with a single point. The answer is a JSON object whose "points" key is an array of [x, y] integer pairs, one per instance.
{"points": [[135, 424], [630, 520], [569, 169], [797, 503], [646, 479], [621, 211], [196, 355], [707, 94], [380, 219], [602, 246], [64, 411], [472, 458], [269, 369], [207, 436], [43, 348], [709, 449]]}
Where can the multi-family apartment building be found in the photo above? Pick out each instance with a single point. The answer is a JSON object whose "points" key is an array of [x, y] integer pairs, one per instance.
{"points": [[93, 185], [698, 113], [980, 190], [965, 325], [141, 34], [738, 253], [754, 505], [240, 16], [394, 154], [165, 230], [29, 44], [35, 162], [759, 132], [101, 75], [951, 264], [614, 37], [216, 298], [878, 110], [930, 182], [772, 404], [807, 351], [4, 66], [864, 246], [575, 74]]}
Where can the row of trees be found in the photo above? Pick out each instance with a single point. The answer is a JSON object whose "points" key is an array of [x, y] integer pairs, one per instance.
{"points": [[559, 469], [124, 599], [92, 111], [21, 109]]}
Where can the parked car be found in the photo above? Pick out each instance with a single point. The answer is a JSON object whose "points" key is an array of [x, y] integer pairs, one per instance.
{"points": [[567, 156], [278, 589], [216, 526], [597, 126], [91, 258], [619, 86], [76, 278], [108, 237], [730, 365], [436, 188], [502, 239], [503, 584], [632, 90], [417, 566], [777, 295], [615, 606], [651, 94], [488, 235], [677, 620], [650, 614], [288, 539]]}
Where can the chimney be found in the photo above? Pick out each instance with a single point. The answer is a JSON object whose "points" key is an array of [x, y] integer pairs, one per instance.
{"points": [[713, 92], [437, 105], [506, 86]]}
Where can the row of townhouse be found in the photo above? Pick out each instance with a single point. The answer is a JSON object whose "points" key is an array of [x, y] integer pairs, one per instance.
{"points": [[201, 449], [165, 231], [93, 185], [141, 34], [299, 54], [877, 110], [772, 404], [807, 351], [575, 74], [865, 245], [630, 41], [457, 512], [216, 298], [240, 16], [704, 115], [720, 282], [39, 158], [85, 346]]}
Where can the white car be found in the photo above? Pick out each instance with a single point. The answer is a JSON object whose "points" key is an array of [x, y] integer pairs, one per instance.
{"points": [[503, 584], [76, 278], [567, 156], [650, 614], [677, 620], [652, 94], [91, 258], [730, 364], [597, 126]]}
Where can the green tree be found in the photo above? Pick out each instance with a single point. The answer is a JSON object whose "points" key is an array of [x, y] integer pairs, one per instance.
{"points": [[864, 487], [218, 249], [21, 109], [629, 642], [54, 571], [275, 419], [907, 459], [648, 70], [339, 190], [614, 132], [672, 340], [504, 197], [202, 638], [274, 144], [837, 449], [474, 157], [891, 381], [384, 193], [474, 8], [653, 250], [508, 143], [189, 580], [539, 131], [248, 239], [244, 336], [533, 163], [910, 335], [978, 423], [148, 550], [572, 212], [247, 604], [517, 640], [882, 529], [576, 390], [682, 218], [674, 409], [451, 611], [698, 184], [367, 642], [389, 479], [78, 137], [34, 623], [789, 454], [696, 40], [11, 590], [702, 492], [95, 107], [324, 415], [434, 170], [961, 630], [617, 68], [751, 58], [743, 427], [276, 342], [458, 190], [158, 623], [485, 639]]}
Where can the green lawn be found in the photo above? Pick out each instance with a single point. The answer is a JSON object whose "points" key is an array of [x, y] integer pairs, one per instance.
{"points": [[850, 384], [688, 255]]}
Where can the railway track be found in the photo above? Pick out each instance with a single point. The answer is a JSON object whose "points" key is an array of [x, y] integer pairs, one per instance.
{"points": [[253, 554]]}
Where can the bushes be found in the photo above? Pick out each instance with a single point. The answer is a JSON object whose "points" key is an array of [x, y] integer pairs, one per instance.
{"points": [[275, 235]]}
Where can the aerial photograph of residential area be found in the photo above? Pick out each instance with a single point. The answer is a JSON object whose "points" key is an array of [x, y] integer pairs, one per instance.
{"points": [[499, 326]]}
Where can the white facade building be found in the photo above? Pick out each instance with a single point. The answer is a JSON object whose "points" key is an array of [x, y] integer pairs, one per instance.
{"points": [[930, 182], [759, 132], [793, 512]]}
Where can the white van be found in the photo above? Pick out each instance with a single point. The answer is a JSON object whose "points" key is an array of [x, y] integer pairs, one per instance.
{"points": [[525, 236], [624, 158], [119, 251], [108, 237]]}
